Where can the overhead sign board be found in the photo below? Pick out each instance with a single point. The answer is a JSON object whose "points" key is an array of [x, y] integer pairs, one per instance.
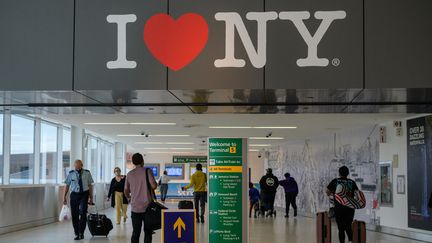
{"points": [[190, 159]]}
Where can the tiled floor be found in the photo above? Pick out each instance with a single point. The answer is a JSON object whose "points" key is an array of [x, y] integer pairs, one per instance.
{"points": [[279, 230]]}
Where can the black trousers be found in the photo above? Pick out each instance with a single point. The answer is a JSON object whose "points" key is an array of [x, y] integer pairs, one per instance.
{"points": [[79, 206], [253, 205], [200, 199], [137, 225], [290, 200], [344, 219], [269, 200]]}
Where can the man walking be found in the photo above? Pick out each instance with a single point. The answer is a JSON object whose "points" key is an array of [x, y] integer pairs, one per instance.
{"points": [[199, 183], [79, 182], [138, 193], [269, 184], [291, 191]]}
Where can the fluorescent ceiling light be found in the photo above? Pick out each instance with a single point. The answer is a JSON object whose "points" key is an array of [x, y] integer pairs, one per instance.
{"points": [[168, 148], [229, 127], [167, 143], [133, 123], [260, 145], [154, 135], [253, 150], [106, 123], [251, 127], [154, 123], [275, 127], [266, 138]]}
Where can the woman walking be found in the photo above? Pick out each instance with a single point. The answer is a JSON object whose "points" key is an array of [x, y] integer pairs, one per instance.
{"points": [[117, 196], [163, 183]]}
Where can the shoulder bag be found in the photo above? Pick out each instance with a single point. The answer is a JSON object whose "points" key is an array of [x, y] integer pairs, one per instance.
{"points": [[153, 214]]}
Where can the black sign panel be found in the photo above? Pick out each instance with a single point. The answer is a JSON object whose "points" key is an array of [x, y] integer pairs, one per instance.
{"points": [[110, 53], [419, 172]]}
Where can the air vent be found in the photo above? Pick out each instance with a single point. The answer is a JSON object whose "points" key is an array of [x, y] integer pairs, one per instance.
{"points": [[191, 125]]}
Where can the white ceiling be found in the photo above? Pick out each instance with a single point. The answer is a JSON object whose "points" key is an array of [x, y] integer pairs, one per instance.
{"points": [[197, 126]]}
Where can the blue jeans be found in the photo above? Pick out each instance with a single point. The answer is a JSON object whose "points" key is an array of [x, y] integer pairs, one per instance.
{"points": [[164, 191]]}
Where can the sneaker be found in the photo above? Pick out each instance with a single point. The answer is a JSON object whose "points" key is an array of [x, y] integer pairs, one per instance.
{"points": [[198, 220], [202, 219], [81, 236], [77, 237], [286, 216]]}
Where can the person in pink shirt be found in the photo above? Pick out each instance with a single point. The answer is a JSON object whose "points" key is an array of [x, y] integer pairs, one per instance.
{"points": [[139, 196]]}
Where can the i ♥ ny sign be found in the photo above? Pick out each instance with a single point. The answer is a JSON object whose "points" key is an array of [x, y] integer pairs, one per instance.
{"points": [[175, 43]]}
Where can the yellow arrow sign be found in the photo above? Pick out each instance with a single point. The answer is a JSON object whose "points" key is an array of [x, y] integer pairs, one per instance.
{"points": [[179, 225]]}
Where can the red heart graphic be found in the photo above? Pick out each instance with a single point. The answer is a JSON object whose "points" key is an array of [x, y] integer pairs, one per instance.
{"points": [[176, 43]]}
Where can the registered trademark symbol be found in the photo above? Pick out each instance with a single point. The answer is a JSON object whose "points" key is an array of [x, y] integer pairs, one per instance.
{"points": [[336, 62]]}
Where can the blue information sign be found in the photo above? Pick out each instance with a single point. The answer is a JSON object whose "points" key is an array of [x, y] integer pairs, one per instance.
{"points": [[178, 226]]}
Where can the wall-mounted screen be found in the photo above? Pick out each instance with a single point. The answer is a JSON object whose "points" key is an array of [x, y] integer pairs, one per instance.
{"points": [[154, 167], [193, 169], [175, 171]]}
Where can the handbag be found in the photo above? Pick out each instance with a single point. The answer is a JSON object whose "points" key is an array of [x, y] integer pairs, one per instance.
{"points": [[153, 214], [358, 201]]}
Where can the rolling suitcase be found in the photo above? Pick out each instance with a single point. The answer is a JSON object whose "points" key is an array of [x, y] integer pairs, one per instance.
{"points": [[185, 205], [323, 227], [99, 224], [359, 231]]}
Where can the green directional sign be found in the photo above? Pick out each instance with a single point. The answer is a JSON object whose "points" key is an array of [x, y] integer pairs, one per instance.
{"points": [[189, 159], [227, 190]]}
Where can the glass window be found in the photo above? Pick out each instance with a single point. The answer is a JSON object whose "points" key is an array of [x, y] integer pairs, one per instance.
{"points": [[1, 148], [66, 153], [22, 150], [92, 155], [48, 153]]}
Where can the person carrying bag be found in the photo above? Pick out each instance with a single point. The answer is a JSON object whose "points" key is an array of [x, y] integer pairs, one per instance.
{"points": [[153, 216]]}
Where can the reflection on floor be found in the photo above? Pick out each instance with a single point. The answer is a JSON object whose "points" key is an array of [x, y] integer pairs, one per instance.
{"points": [[275, 230]]}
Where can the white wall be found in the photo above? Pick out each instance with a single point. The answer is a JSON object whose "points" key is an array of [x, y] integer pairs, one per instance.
{"points": [[396, 216], [256, 165]]}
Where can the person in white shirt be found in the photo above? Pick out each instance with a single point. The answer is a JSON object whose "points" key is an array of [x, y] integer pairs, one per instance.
{"points": [[163, 183]]}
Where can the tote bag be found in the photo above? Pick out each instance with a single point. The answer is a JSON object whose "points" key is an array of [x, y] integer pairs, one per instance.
{"points": [[358, 201]]}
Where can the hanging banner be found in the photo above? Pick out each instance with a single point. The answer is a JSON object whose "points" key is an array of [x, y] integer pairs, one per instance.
{"points": [[227, 187], [419, 172]]}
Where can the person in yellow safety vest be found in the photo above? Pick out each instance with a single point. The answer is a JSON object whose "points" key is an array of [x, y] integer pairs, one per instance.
{"points": [[199, 183]]}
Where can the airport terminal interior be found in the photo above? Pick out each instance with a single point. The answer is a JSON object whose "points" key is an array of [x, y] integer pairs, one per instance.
{"points": [[216, 121], [309, 146]]}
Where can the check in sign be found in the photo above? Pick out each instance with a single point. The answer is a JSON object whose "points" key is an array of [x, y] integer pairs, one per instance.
{"points": [[178, 226]]}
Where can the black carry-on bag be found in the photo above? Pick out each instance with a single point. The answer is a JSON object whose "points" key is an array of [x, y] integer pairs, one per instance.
{"points": [[153, 215], [185, 205], [99, 224]]}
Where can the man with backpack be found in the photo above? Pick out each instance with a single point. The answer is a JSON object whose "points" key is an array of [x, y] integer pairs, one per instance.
{"points": [[343, 187], [269, 184], [291, 191]]}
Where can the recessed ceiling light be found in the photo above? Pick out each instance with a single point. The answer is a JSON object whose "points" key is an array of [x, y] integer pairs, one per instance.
{"points": [[266, 138], [260, 145]]}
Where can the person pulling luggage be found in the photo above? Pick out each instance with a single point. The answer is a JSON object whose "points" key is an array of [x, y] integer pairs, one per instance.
{"points": [[269, 184], [199, 183], [80, 183], [344, 215]]}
